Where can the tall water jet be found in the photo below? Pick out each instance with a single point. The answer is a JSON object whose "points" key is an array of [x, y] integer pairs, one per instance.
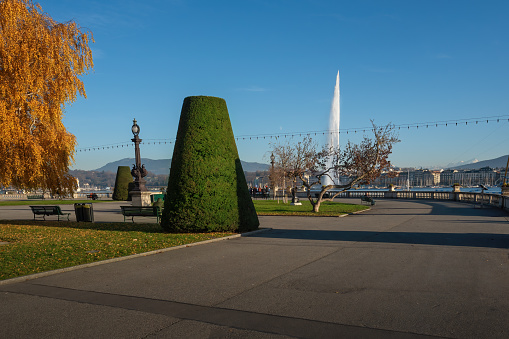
{"points": [[333, 135]]}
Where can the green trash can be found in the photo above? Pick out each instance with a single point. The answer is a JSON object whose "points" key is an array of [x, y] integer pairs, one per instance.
{"points": [[155, 197], [84, 212]]}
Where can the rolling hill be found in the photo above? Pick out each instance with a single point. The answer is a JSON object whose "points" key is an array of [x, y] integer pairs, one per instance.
{"points": [[499, 162], [162, 166]]}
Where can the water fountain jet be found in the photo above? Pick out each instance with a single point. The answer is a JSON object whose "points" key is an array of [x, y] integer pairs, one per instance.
{"points": [[333, 135]]}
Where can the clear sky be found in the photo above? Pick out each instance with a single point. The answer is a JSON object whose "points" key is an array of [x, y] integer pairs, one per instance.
{"points": [[275, 64]]}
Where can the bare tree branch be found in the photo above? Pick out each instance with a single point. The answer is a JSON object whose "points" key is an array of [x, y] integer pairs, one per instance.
{"points": [[359, 163]]}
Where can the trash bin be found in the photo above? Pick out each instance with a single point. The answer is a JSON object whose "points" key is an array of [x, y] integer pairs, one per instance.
{"points": [[155, 197], [84, 212]]}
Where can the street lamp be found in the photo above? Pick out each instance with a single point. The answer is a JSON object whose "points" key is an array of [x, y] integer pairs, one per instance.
{"points": [[138, 171], [135, 129], [272, 161]]}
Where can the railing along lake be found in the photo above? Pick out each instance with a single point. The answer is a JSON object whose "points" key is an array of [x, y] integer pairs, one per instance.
{"points": [[478, 198], [490, 199]]}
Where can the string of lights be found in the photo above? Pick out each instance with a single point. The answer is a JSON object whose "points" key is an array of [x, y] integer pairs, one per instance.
{"points": [[417, 125]]}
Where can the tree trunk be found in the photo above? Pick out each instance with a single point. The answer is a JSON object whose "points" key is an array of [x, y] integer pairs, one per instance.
{"points": [[316, 207]]}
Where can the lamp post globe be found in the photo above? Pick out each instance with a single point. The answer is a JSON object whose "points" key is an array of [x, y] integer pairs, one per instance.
{"points": [[135, 129]]}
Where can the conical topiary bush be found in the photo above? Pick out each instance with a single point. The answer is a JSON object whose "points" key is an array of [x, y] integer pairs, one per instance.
{"points": [[124, 177], [207, 190]]}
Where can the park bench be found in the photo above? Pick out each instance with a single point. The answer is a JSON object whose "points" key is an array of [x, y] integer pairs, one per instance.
{"points": [[48, 210], [326, 195], [367, 199], [260, 195], [92, 196], [35, 196], [134, 211]]}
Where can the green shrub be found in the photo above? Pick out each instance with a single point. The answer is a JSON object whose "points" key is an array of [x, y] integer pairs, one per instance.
{"points": [[124, 177], [130, 188], [207, 190]]}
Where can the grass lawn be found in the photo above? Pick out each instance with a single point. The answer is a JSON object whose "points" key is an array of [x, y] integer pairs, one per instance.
{"points": [[29, 246], [327, 208], [40, 246]]}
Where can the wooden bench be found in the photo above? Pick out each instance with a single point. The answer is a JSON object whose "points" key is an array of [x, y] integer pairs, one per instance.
{"points": [[92, 196], [35, 196], [367, 199], [326, 195], [48, 210], [260, 195], [149, 211]]}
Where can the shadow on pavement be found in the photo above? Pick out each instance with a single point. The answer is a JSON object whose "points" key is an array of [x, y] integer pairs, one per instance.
{"points": [[418, 238]]}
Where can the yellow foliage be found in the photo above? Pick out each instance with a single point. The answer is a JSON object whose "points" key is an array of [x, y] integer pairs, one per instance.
{"points": [[40, 62]]}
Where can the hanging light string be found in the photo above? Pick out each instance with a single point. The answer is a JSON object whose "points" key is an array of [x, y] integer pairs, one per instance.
{"points": [[124, 144], [417, 125]]}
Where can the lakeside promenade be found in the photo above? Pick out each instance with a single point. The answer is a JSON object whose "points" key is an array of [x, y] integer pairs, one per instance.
{"points": [[404, 269]]}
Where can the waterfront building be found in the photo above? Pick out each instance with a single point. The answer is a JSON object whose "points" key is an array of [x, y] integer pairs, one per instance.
{"points": [[387, 178], [483, 176], [425, 178], [419, 178], [447, 177], [436, 177]]}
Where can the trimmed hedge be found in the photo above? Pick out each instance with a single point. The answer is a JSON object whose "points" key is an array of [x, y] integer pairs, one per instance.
{"points": [[207, 189], [124, 177]]}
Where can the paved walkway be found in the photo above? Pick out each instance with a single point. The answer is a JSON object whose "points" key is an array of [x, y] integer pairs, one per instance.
{"points": [[109, 211], [405, 269]]}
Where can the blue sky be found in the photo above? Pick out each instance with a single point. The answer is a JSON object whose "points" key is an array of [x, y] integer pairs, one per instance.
{"points": [[275, 63]]}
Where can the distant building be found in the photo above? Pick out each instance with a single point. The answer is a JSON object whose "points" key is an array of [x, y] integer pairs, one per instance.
{"points": [[447, 177], [436, 177], [424, 177], [484, 176], [403, 178]]}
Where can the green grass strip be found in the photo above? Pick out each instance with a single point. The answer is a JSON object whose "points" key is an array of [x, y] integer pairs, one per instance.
{"points": [[33, 247], [327, 208]]}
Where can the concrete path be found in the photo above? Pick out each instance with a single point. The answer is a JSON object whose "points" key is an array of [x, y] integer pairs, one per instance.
{"points": [[109, 211], [405, 269]]}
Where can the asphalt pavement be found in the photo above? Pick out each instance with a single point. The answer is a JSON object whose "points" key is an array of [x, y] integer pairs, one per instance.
{"points": [[106, 211], [404, 269]]}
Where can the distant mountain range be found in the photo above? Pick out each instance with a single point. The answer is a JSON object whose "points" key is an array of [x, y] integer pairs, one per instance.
{"points": [[162, 166], [499, 162]]}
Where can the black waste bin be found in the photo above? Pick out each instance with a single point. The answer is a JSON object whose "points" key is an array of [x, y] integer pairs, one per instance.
{"points": [[84, 212]]}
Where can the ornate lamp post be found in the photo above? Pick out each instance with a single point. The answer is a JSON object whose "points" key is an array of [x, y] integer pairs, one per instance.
{"points": [[139, 194], [272, 161]]}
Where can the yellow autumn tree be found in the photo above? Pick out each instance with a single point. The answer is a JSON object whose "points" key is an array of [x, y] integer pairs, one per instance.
{"points": [[40, 64]]}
